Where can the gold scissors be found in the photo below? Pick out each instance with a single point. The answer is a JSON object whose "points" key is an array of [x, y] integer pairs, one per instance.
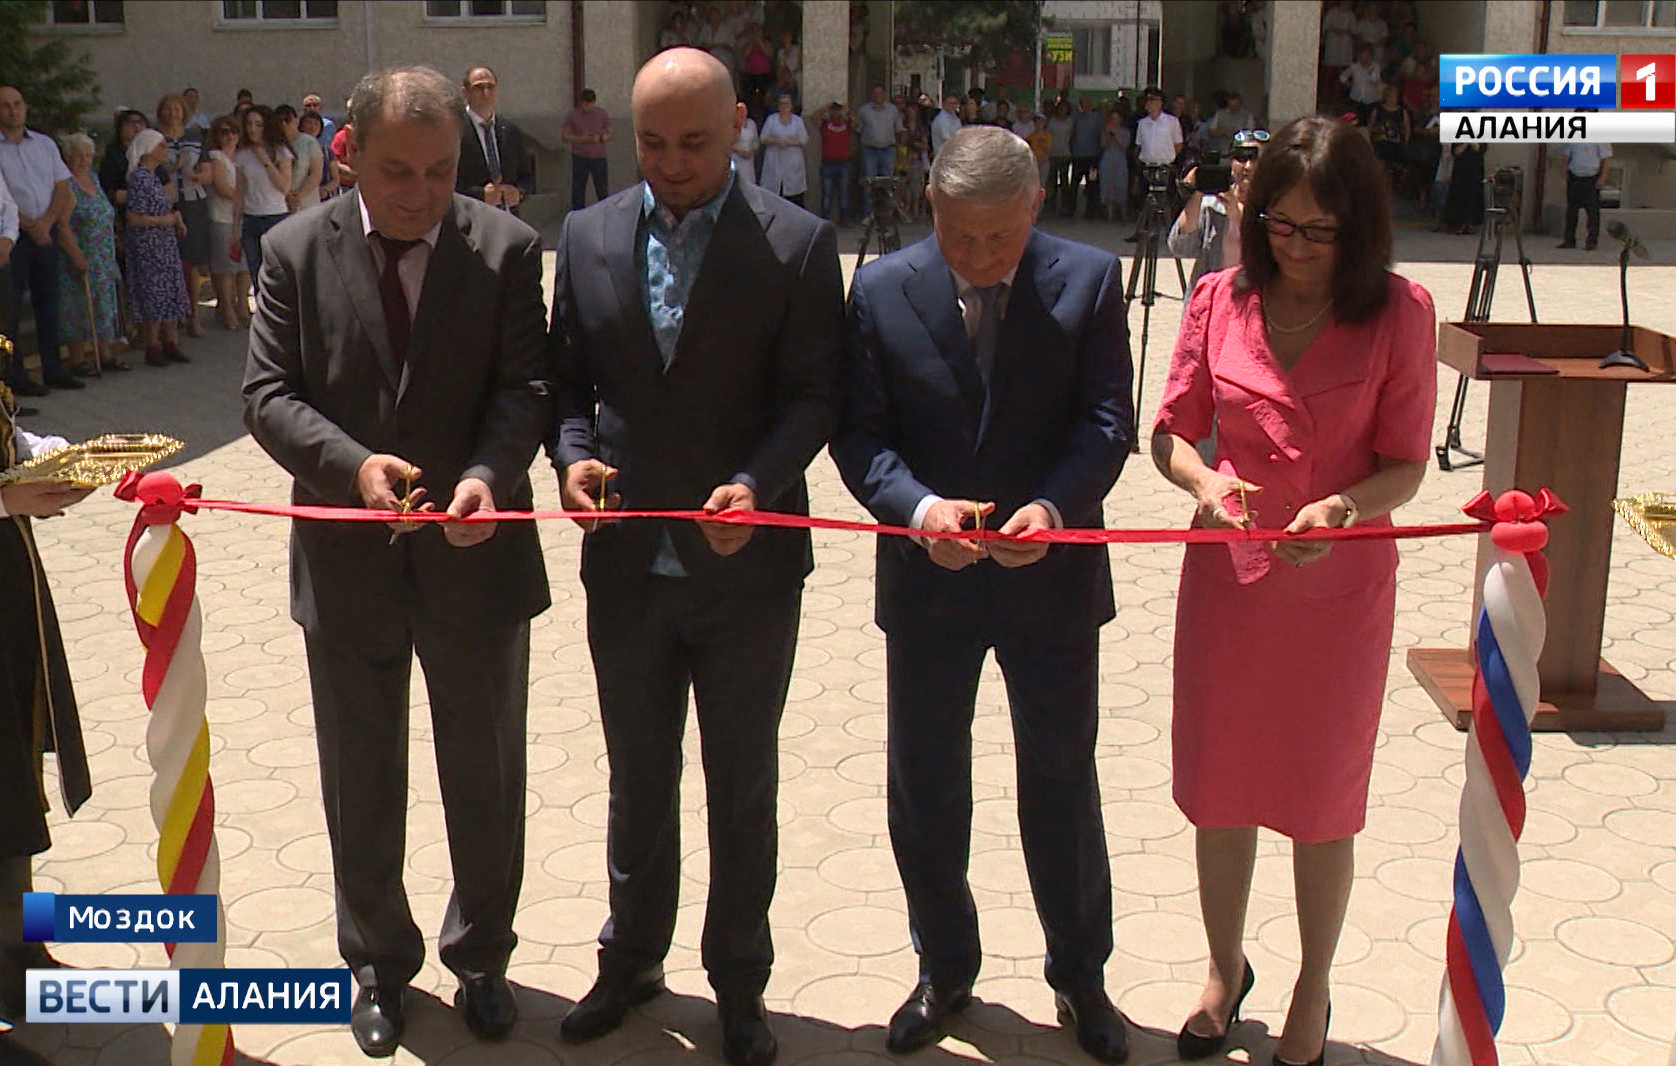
{"points": [[407, 500]]}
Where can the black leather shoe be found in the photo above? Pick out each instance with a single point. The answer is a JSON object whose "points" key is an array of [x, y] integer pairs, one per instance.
{"points": [[66, 381], [490, 1007], [918, 1022], [29, 387], [1191, 1045], [377, 1020], [1099, 1027], [607, 1004], [746, 1038]]}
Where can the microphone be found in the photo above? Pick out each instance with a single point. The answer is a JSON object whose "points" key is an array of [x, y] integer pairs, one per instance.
{"points": [[1624, 355]]}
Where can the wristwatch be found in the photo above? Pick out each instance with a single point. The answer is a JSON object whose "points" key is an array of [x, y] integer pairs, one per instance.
{"points": [[1351, 511]]}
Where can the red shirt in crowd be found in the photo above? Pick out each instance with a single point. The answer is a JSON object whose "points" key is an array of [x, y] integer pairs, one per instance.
{"points": [[835, 140]]}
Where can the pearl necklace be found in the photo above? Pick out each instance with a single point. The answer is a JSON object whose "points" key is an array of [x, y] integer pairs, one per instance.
{"points": [[1275, 327]]}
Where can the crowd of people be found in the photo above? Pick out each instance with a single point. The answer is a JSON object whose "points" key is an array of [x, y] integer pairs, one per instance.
{"points": [[121, 245], [978, 379]]}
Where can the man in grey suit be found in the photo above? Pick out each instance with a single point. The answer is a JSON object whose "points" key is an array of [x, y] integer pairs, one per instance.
{"points": [[696, 333], [398, 339]]}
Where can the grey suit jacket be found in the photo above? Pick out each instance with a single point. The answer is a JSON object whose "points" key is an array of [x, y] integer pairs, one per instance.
{"points": [[752, 389], [323, 391]]}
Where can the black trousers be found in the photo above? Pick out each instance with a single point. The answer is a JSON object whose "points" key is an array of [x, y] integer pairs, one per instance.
{"points": [[1581, 194], [1052, 684], [654, 638], [478, 681], [581, 169]]}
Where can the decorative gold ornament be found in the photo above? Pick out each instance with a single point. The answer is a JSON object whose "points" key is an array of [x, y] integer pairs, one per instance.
{"points": [[1653, 515], [92, 463]]}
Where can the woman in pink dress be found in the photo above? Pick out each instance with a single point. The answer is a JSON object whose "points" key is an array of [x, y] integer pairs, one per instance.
{"points": [[1313, 365]]}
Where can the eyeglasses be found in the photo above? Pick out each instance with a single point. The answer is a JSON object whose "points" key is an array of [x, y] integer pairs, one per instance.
{"points": [[1285, 227]]}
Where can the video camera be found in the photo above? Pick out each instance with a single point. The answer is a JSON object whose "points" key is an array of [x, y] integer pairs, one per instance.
{"points": [[1158, 176], [1506, 189], [1212, 177]]}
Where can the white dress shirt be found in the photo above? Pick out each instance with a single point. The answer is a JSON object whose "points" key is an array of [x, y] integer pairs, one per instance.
{"points": [[32, 168], [1158, 139], [412, 267], [8, 213]]}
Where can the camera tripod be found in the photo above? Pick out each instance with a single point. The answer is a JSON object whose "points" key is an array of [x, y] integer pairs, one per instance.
{"points": [[1151, 229], [1497, 221], [882, 229]]}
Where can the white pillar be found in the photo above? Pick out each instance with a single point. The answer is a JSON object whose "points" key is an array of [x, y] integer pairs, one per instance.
{"points": [[1294, 66]]}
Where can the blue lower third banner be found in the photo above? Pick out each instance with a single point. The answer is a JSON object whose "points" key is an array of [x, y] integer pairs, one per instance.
{"points": [[193, 997], [133, 919]]}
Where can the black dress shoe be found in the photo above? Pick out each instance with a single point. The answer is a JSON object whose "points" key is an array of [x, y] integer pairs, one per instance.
{"points": [[1191, 1045], [377, 1019], [607, 1004], [1099, 1027], [746, 1038], [918, 1022], [66, 381], [490, 1007], [29, 387]]}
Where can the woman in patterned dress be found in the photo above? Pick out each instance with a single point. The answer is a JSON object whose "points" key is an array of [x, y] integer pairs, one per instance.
{"points": [[156, 287], [87, 274]]}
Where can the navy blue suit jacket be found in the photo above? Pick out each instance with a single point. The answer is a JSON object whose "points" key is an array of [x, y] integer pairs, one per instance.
{"points": [[1057, 427]]}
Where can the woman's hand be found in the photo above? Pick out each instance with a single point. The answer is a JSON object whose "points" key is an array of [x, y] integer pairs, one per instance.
{"points": [[1325, 513], [1218, 495]]}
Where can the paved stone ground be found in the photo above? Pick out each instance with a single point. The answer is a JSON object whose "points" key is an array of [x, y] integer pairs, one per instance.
{"points": [[1592, 980]]}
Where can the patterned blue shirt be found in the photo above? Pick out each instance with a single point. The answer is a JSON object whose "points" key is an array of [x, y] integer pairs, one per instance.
{"points": [[668, 255]]}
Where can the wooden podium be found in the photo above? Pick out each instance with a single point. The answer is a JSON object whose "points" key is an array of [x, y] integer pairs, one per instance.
{"points": [[1557, 426]]}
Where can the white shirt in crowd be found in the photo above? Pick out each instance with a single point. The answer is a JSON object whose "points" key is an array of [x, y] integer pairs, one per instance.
{"points": [[1585, 160], [260, 196], [745, 152], [942, 128], [32, 168], [1158, 139], [784, 171], [1338, 32], [1366, 86], [8, 214]]}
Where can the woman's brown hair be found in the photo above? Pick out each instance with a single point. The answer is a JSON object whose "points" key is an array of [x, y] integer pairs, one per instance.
{"points": [[1337, 165]]}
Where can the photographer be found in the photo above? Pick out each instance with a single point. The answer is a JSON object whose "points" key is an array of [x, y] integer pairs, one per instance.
{"points": [[1209, 224]]}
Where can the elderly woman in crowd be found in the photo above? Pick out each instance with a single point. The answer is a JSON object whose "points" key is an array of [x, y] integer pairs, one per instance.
{"points": [[1314, 365], [227, 269], [156, 287], [784, 171], [88, 312], [264, 161], [182, 178]]}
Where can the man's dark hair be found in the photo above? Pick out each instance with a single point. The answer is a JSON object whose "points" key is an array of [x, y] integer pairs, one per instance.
{"points": [[244, 94], [1337, 165], [284, 112], [589, 96]]}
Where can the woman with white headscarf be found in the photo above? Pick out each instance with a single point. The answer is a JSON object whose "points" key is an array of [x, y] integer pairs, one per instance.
{"points": [[156, 287]]}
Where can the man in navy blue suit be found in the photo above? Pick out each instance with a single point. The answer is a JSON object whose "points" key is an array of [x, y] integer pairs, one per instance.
{"points": [[987, 382]]}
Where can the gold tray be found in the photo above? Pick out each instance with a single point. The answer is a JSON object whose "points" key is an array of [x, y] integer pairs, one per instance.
{"points": [[92, 463], [1653, 515]]}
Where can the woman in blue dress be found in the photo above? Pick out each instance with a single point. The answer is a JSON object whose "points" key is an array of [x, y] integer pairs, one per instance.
{"points": [[156, 287], [88, 312]]}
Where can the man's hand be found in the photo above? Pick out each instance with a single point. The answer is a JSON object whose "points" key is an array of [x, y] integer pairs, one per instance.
{"points": [[40, 231], [41, 499], [585, 486], [1025, 520], [951, 516], [1322, 514], [5, 251], [376, 483], [726, 538], [511, 195], [471, 495], [492, 193]]}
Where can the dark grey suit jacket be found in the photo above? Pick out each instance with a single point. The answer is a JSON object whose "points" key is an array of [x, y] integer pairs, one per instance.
{"points": [[752, 390], [323, 391]]}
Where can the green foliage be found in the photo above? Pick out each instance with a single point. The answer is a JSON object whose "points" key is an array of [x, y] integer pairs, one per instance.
{"points": [[54, 78], [984, 31]]}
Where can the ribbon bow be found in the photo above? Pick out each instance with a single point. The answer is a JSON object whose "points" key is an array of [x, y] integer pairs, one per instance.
{"points": [[1520, 519], [162, 499]]}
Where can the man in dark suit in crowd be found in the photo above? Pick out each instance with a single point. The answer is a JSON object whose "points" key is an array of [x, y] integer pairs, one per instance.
{"points": [[696, 333], [491, 147], [399, 340], [987, 379]]}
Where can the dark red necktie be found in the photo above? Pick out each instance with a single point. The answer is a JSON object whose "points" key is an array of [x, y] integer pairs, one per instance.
{"points": [[396, 315]]}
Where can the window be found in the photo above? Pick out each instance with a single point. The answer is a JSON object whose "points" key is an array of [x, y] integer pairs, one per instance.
{"points": [[83, 13], [520, 10], [1620, 14], [1093, 51], [279, 11]]}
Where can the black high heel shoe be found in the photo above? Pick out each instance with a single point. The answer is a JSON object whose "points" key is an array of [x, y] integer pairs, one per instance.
{"points": [[1190, 1045], [1321, 1056]]}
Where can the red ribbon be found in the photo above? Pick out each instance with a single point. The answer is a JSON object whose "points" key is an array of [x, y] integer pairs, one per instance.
{"points": [[792, 521]]}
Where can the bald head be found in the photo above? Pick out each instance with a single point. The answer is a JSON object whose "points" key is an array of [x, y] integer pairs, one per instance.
{"points": [[686, 119]]}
